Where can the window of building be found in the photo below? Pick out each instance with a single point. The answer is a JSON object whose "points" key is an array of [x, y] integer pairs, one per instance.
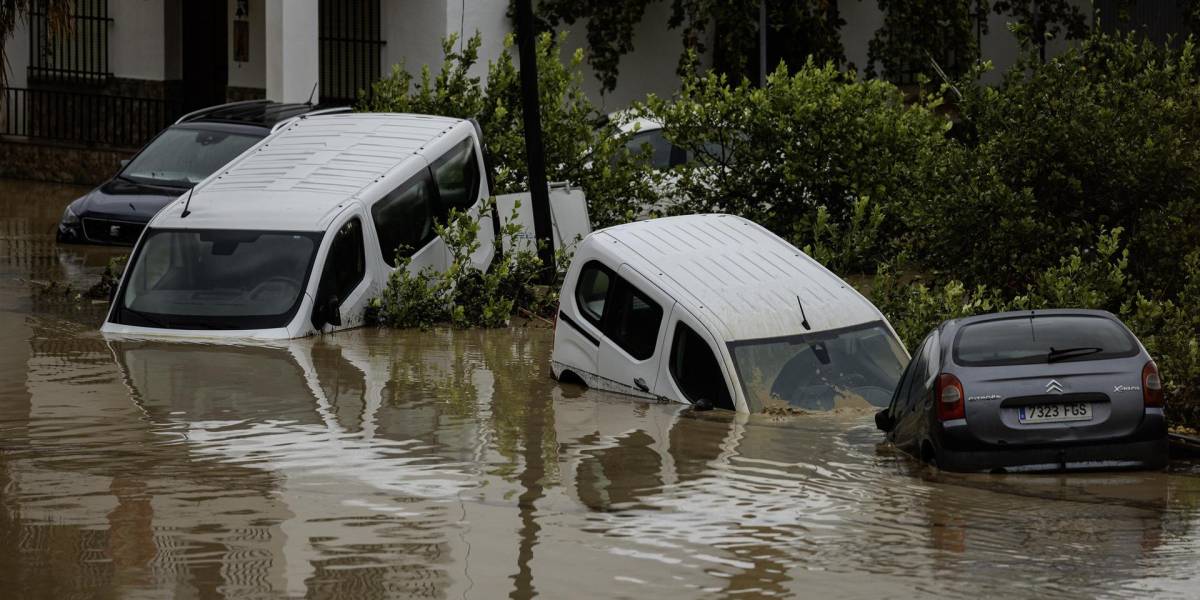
{"points": [[404, 218], [75, 51], [457, 175], [350, 47], [633, 320], [346, 264], [695, 369], [592, 291]]}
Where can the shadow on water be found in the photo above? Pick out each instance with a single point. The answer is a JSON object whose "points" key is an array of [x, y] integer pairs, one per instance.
{"points": [[373, 464]]}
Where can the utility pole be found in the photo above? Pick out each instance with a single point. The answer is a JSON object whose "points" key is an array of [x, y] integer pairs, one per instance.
{"points": [[535, 156], [762, 43]]}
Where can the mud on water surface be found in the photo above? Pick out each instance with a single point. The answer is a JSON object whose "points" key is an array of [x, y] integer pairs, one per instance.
{"points": [[447, 464]]}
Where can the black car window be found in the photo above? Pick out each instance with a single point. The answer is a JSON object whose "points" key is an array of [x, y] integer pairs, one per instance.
{"points": [[591, 291], [695, 369], [632, 320], [457, 175], [1036, 339], [661, 150], [914, 388], [404, 218], [345, 265]]}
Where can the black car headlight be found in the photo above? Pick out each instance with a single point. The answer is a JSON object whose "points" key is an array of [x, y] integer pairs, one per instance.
{"points": [[69, 217]]}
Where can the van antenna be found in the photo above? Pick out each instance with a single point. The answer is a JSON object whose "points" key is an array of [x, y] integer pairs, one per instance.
{"points": [[187, 203], [803, 317], [312, 93]]}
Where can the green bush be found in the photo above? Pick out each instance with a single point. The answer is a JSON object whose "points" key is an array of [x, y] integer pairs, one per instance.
{"points": [[816, 138], [462, 295], [580, 145], [1101, 136]]}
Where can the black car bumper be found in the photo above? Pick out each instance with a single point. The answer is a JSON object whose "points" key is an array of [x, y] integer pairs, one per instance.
{"points": [[1145, 449]]}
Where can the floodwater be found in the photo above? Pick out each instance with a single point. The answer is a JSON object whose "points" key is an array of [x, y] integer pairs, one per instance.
{"points": [[449, 465]]}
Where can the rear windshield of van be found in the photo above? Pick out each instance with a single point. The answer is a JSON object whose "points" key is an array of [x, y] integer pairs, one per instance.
{"points": [[210, 279], [1042, 339]]}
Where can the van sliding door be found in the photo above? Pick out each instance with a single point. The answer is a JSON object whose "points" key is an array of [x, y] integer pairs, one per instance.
{"points": [[634, 324]]}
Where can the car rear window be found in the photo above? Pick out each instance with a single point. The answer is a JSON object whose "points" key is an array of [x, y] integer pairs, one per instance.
{"points": [[1040, 339]]}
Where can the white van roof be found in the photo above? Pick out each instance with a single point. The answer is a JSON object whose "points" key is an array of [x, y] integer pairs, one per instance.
{"points": [[742, 280], [295, 178]]}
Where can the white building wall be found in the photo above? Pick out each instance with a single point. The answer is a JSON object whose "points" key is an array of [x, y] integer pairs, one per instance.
{"points": [[292, 58], [136, 39], [487, 17], [414, 31]]}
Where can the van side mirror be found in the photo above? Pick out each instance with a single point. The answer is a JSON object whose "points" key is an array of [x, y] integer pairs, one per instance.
{"points": [[702, 404], [884, 422]]}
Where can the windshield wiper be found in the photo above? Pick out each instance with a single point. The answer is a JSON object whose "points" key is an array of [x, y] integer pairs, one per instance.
{"points": [[1056, 355], [160, 323]]}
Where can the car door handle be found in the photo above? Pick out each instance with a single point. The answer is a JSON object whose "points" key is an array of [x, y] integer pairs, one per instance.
{"points": [[641, 385]]}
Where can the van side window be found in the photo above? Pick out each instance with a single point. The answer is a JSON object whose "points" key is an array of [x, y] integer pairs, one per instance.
{"points": [[632, 320], [457, 175], [345, 265], [404, 218], [592, 290], [695, 369]]}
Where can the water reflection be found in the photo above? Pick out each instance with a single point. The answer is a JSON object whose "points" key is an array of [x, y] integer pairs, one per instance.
{"points": [[448, 464]]}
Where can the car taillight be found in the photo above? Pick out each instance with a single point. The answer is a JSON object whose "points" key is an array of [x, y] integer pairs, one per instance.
{"points": [[1152, 388], [950, 397]]}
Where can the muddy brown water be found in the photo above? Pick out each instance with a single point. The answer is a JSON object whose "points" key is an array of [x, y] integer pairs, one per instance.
{"points": [[447, 464]]}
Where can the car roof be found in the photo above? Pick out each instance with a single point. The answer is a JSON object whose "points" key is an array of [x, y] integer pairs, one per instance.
{"points": [[263, 113], [302, 175], [954, 324], [742, 280]]}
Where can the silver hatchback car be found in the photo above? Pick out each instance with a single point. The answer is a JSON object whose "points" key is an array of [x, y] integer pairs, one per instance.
{"points": [[1046, 390]]}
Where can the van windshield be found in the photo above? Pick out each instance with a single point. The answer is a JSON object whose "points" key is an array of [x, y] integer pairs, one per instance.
{"points": [[855, 367], [210, 279]]}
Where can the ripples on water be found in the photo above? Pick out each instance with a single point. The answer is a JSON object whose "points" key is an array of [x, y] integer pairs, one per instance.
{"points": [[448, 464]]}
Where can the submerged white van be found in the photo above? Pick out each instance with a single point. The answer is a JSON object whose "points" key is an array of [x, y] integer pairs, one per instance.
{"points": [[297, 234], [716, 310]]}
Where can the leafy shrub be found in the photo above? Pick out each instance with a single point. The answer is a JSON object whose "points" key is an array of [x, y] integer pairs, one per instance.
{"points": [[816, 138], [462, 295], [580, 145], [1101, 136]]}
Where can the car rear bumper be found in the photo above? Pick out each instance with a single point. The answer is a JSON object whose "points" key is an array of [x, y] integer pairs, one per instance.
{"points": [[1145, 449]]}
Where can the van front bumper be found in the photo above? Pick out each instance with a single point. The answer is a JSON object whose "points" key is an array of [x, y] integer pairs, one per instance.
{"points": [[1145, 449]]}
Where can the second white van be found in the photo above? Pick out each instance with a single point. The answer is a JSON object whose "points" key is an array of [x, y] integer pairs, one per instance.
{"points": [[717, 311]]}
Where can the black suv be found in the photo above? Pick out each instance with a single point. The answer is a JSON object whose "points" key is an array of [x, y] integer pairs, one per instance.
{"points": [[178, 158]]}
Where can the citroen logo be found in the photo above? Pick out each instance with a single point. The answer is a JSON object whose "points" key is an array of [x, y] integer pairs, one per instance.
{"points": [[1054, 387]]}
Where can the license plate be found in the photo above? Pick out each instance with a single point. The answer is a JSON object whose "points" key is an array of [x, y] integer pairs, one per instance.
{"points": [[1056, 413]]}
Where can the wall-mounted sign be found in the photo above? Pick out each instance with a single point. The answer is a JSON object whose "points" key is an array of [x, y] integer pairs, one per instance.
{"points": [[241, 41]]}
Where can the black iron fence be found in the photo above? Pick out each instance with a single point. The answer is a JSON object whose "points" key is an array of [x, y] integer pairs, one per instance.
{"points": [[94, 119], [75, 50], [350, 46]]}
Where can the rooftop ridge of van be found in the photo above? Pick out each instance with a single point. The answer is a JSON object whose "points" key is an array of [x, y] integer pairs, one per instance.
{"points": [[312, 166], [742, 278]]}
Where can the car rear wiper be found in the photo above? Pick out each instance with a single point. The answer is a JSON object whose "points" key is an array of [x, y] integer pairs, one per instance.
{"points": [[1056, 354]]}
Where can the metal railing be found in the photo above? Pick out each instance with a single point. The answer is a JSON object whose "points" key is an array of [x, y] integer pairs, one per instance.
{"points": [[76, 51], [93, 119], [350, 46]]}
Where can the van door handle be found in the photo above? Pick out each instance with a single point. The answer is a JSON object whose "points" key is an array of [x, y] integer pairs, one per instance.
{"points": [[641, 385]]}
